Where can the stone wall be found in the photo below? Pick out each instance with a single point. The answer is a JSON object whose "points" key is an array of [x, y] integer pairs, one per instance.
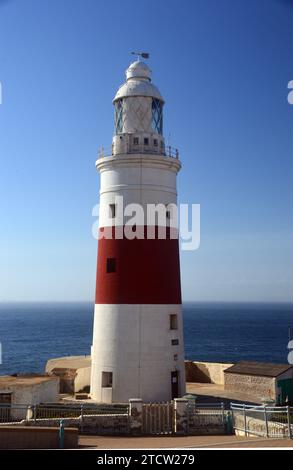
{"points": [[205, 372], [263, 387], [66, 379], [89, 424]]}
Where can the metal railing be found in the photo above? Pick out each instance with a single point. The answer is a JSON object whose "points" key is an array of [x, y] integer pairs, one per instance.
{"points": [[263, 420], [12, 413], [17, 413], [204, 416], [166, 151]]}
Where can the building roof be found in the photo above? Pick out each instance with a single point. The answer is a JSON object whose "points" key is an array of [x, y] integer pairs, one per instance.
{"points": [[138, 83], [138, 69], [264, 369], [23, 380]]}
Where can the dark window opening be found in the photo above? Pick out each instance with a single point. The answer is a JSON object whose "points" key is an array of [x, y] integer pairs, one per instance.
{"points": [[175, 384], [111, 265], [173, 321], [107, 379], [175, 342], [135, 141], [146, 141], [5, 398], [112, 211], [155, 142]]}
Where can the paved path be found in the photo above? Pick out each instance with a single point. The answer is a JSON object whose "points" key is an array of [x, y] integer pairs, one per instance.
{"points": [[111, 442]]}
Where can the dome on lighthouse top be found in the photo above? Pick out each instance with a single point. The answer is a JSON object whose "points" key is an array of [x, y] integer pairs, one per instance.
{"points": [[138, 82], [138, 69]]}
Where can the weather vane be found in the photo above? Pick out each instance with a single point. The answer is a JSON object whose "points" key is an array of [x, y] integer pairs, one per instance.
{"points": [[143, 55]]}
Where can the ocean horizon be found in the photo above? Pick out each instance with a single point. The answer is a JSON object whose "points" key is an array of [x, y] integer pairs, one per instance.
{"points": [[33, 332]]}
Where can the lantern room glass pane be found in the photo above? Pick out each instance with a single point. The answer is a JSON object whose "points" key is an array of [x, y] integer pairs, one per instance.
{"points": [[157, 116], [119, 116]]}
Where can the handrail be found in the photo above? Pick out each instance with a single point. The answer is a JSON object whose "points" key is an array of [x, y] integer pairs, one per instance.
{"points": [[241, 406], [167, 151]]}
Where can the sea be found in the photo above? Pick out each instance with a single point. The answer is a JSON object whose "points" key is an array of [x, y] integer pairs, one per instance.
{"points": [[32, 333]]}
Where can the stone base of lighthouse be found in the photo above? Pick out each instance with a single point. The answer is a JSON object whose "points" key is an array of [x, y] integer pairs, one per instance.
{"points": [[137, 352]]}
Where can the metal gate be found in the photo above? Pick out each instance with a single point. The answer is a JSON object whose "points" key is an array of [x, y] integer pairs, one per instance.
{"points": [[158, 418]]}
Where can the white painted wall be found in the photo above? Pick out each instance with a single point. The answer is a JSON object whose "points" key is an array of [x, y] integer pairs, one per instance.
{"points": [[44, 392], [139, 179], [68, 362], [82, 379], [134, 342]]}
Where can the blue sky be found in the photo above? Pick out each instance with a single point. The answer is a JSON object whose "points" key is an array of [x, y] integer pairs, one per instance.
{"points": [[222, 66]]}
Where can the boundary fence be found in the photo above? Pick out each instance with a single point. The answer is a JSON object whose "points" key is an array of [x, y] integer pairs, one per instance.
{"points": [[180, 417]]}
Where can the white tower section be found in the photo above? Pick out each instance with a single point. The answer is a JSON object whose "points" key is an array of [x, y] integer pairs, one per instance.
{"points": [[137, 349]]}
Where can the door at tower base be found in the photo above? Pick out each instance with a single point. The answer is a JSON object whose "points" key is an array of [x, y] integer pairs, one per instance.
{"points": [[137, 353]]}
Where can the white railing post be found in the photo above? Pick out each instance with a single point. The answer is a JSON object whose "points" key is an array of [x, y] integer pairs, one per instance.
{"points": [[232, 417], [81, 417], [29, 413], [244, 417], [223, 415], [35, 413], [266, 421], [289, 423]]}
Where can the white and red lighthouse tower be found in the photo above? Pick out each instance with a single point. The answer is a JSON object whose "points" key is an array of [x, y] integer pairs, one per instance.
{"points": [[137, 349]]}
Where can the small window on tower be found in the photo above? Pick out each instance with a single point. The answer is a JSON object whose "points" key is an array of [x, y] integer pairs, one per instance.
{"points": [[135, 141], [175, 342], [111, 265], [173, 322], [107, 379], [156, 142], [146, 141], [112, 211]]}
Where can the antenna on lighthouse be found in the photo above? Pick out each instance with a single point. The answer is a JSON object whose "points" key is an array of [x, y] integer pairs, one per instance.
{"points": [[143, 55]]}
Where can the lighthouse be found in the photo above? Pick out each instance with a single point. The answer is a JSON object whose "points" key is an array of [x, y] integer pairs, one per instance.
{"points": [[137, 349]]}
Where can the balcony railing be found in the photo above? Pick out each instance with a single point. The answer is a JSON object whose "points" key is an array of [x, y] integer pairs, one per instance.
{"points": [[167, 151]]}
